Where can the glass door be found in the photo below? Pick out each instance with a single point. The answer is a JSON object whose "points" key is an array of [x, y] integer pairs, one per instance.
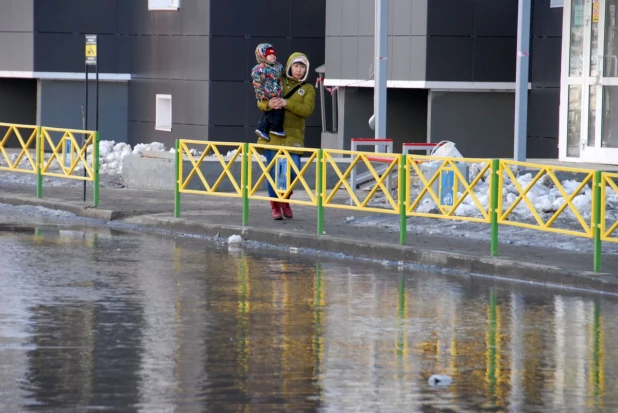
{"points": [[590, 92]]}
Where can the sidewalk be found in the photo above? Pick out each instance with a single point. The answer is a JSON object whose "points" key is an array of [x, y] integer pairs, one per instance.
{"points": [[210, 215]]}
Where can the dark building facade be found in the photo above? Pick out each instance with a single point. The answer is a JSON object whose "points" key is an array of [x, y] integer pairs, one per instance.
{"points": [[195, 54]]}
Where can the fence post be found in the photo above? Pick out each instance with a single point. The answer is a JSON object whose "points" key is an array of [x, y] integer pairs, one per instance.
{"points": [[177, 181], [95, 158], [40, 158], [244, 178], [320, 173], [596, 217], [495, 188], [403, 202]]}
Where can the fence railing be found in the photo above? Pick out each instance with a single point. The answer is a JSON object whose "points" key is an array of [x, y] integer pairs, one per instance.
{"points": [[461, 189], [66, 153]]}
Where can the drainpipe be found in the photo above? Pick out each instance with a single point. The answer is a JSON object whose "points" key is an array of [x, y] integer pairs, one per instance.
{"points": [[381, 67], [521, 90]]}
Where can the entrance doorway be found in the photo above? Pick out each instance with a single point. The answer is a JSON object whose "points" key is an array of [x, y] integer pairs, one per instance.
{"points": [[589, 87]]}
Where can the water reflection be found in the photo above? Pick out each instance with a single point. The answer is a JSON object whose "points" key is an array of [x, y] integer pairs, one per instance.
{"points": [[105, 320]]}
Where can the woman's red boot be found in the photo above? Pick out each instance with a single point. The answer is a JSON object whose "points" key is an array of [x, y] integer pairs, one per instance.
{"points": [[287, 210], [275, 210]]}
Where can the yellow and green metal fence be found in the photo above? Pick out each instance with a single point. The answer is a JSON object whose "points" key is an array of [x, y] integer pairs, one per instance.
{"points": [[406, 170], [67, 149]]}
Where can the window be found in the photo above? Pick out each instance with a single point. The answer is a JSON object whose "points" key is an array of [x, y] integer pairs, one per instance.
{"points": [[163, 119], [163, 4]]}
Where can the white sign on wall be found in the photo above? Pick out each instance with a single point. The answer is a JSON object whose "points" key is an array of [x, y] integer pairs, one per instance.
{"points": [[163, 4], [556, 3]]}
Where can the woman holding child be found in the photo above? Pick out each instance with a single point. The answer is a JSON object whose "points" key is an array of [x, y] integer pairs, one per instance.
{"points": [[297, 99]]}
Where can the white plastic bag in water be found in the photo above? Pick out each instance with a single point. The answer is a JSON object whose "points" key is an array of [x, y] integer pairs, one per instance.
{"points": [[446, 149]]}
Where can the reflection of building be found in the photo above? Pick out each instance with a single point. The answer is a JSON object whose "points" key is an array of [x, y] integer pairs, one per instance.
{"points": [[272, 353]]}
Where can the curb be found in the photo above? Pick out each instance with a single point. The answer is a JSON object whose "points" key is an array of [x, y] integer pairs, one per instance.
{"points": [[483, 265], [82, 211]]}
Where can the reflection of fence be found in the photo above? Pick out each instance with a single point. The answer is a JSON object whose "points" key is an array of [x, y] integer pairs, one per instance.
{"points": [[67, 154], [433, 187]]}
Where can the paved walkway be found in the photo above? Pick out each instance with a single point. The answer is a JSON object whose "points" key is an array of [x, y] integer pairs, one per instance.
{"points": [[209, 216]]}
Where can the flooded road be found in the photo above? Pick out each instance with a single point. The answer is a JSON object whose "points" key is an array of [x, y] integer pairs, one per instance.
{"points": [[100, 320]]}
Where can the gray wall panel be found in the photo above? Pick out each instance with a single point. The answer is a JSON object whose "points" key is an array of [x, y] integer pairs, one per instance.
{"points": [[16, 16], [18, 50], [195, 58], [16, 35], [334, 17], [189, 100], [418, 63], [349, 58], [350, 39], [418, 19], [399, 58], [349, 24], [366, 17], [481, 124], [333, 57], [61, 106], [195, 18], [365, 62], [400, 17]]}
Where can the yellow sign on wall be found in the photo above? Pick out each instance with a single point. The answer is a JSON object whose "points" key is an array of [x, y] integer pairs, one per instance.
{"points": [[91, 49]]}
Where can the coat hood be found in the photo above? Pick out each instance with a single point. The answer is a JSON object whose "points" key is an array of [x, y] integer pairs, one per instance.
{"points": [[260, 52], [294, 58]]}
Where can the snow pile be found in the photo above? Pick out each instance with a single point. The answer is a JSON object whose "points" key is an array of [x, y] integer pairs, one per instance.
{"points": [[544, 196], [111, 154], [234, 239]]}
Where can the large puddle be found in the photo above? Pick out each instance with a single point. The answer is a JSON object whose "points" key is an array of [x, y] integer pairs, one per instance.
{"points": [[98, 320]]}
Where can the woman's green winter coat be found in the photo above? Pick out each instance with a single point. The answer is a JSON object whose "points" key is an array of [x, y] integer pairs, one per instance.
{"points": [[299, 106]]}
